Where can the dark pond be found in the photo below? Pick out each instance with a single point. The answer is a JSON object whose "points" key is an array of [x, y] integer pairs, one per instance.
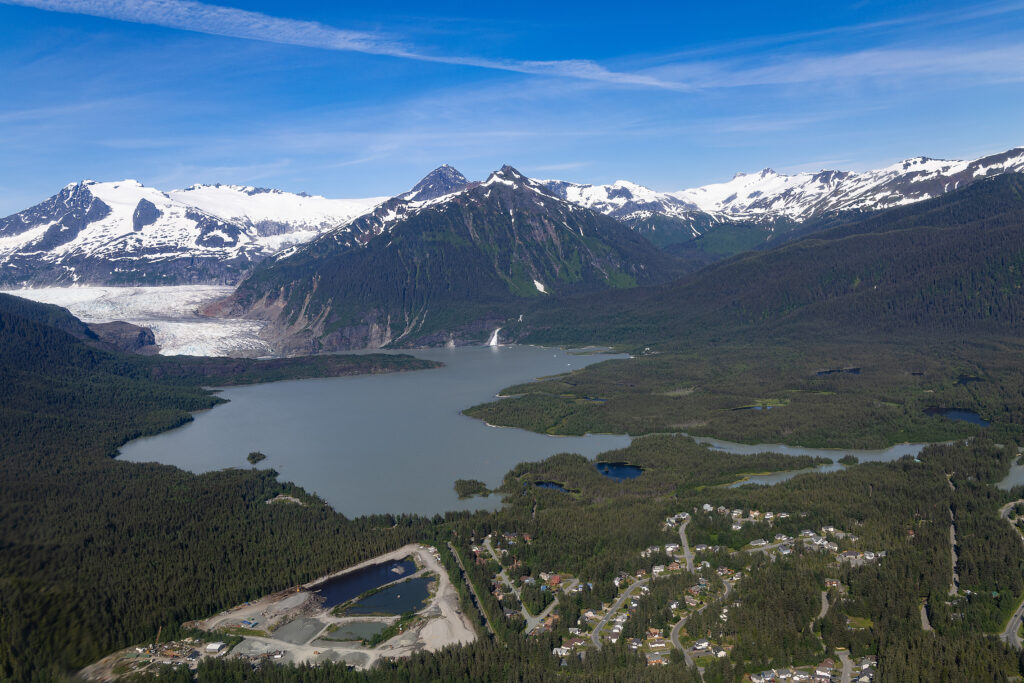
{"points": [[551, 485], [961, 415], [619, 471], [407, 596], [836, 371], [964, 380], [353, 584], [757, 408]]}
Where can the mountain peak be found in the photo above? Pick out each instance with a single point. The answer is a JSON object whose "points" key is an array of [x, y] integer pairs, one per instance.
{"points": [[442, 180], [508, 172]]}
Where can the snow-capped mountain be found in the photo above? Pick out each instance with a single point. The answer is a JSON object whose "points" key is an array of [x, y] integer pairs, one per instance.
{"points": [[622, 199], [439, 182], [445, 269], [127, 233], [118, 233], [273, 212], [805, 195], [768, 195]]}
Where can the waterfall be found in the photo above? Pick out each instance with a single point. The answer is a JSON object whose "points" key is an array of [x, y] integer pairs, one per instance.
{"points": [[493, 341]]}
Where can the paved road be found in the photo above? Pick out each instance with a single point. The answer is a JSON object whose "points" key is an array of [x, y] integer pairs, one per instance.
{"points": [[844, 657], [595, 636], [674, 636], [532, 622], [507, 581], [1011, 634], [687, 553]]}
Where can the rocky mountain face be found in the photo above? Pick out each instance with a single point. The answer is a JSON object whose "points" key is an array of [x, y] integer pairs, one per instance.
{"points": [[439, 182], [447, 269], [125, 233]]}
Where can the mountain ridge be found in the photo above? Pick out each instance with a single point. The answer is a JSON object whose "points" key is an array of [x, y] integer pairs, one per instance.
{"points": [[124, 233], [444, 270]]}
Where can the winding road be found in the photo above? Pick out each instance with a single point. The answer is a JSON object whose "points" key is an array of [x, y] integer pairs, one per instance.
{"points": [[595, 635], [1011, 634], [532, 622], [674, 636]]}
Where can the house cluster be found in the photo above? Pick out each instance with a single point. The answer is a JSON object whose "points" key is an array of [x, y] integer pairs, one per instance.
{"points": [[826, 672], [570, 645], [823, 673], [668, 549], [739, 518], [703, 647], [620, 619], [675, 520], [654, 646], [858, 556]]}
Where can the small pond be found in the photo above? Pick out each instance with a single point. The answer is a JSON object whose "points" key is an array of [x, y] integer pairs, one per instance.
{"points": [[357, 630], [959, 415], [837, 371], [408, 596], [551, 485], [343, 588], [619, 471]]}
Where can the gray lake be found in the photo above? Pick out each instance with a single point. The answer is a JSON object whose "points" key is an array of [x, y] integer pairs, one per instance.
{"points": [[380, 443]]}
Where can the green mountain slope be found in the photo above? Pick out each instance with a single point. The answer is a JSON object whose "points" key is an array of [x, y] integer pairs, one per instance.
{"points": [[456, 268], [952, 265]]}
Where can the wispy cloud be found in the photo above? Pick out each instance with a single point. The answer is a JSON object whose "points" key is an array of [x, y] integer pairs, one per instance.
{"points": [[235, 23], [995, 63]]}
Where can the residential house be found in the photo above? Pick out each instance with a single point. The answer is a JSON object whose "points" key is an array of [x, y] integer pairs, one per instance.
{"points": [[656, 659]]}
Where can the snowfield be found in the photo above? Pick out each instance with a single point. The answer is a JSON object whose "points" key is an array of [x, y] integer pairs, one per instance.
{"points": [[171, 312]]}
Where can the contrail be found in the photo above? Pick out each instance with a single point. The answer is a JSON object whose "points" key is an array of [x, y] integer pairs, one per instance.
{"points": [[236, 23]]}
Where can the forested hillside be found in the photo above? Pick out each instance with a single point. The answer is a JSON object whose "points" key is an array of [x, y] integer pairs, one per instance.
{"points": [[952, 265], [96, 553]]}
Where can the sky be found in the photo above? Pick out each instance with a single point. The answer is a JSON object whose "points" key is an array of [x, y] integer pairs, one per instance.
{"points": [[349, 99]]}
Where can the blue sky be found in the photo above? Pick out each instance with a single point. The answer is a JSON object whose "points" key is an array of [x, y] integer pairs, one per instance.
{"points": [[358, 99]]}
